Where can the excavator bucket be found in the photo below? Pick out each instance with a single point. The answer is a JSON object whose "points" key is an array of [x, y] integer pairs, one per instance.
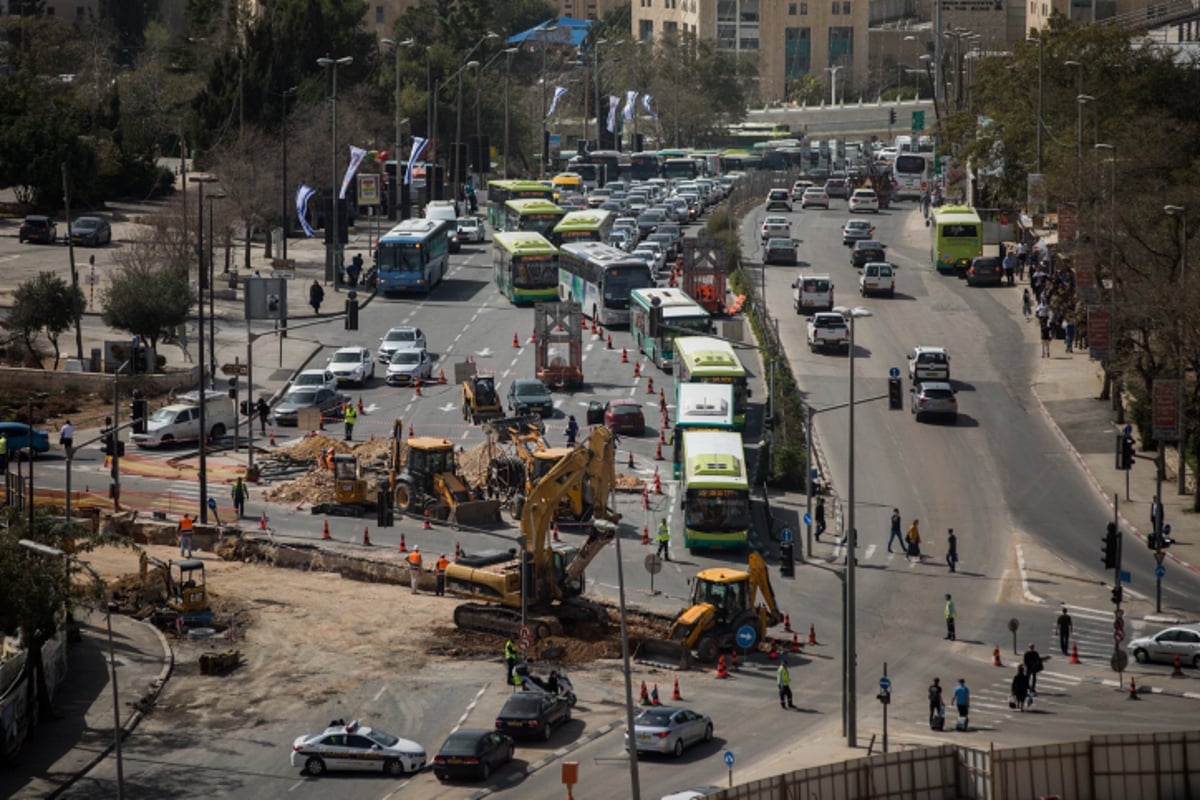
{"points": [[476, 512], [663, 653]]}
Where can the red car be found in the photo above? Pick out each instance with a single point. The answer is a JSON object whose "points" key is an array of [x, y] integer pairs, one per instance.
{"points": [[625, 416]]}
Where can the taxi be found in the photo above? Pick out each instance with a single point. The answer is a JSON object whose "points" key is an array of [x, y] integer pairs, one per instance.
{"points": [[352, 746]]}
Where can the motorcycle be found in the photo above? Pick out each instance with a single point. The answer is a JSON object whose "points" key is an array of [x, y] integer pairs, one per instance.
{"points": [[557, 684]]}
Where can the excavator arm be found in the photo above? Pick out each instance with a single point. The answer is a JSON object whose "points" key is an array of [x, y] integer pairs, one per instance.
{"points": [[760, 583]]}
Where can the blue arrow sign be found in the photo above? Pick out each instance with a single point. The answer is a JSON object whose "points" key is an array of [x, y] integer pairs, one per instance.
{"points": [[807, 518], [1159, 571], [746, 637], [212, 502], [785, 535], [729, 758], [894, 372], [1126, 576], [885, 683]]}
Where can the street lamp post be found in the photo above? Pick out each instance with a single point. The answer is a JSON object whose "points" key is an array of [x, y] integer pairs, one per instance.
{"points": [[1080, 101], [507, 78], [833, 71], [211, 278], [396, 45], [1181, 470], [507, 53], [46, 549], [1107, 391], [1041, 46], [916, 89], [333, 250], [283, 207], [456, 164], [200, 277]]}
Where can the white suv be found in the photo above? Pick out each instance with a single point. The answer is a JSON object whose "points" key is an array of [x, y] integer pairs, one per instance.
{"points": [[927, 363], [779, 199]]}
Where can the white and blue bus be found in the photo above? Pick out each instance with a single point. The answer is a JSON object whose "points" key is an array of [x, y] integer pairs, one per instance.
{"points": [[413, 256], [600, 277]]}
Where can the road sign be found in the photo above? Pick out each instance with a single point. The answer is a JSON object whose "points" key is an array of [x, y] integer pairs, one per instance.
{"points": [[1159, 571], [746, 637], [212, 503], [786, 534], [653, 564], [1159, 555], [885, 683], [523, 644], [1118, 635], [524, 632], [729, 758], [1013, 624], [235, 369], [807, 518], [918, 121], [894, 372], [1128, 429], [1120, 660], [1126, 576]]}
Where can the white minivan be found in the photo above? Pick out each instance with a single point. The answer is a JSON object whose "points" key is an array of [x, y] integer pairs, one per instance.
{"points": [[812, 292], [180, 421], [445, 211]]}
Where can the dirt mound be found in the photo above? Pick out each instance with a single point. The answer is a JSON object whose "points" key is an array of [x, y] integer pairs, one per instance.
{"points": [[316, 485]]}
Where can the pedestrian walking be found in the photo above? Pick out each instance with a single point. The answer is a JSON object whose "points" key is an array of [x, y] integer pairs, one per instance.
{"points": [[820, 517], [414, 568], [1027, 303], [440, 575], [510, 661], [1047, 334], [264, 411], [3, 453], [913, 541], [351, 417], [316, 296], [962, 701], [895, 531], [783, 679], [1064, 628], [186, 526], [354, 271], [66, 436], [925, 201], [1033, 665], [664, 540], [1069, 333], [951, 549], [937, 705], [950, 617], [1020, 689], [240, 493], [572, 431], [1010, 267]]}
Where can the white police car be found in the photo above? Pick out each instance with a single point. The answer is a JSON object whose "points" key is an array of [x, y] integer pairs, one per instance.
{"points": [[356, 747]]}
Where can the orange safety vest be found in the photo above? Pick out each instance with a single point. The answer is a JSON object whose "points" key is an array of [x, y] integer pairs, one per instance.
{"points": [[414, 560], [442, 563], [185, 526]]}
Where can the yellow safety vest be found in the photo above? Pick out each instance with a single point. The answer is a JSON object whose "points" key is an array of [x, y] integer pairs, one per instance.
{"points": [[664, 535], [3, 445], [351, 415]]}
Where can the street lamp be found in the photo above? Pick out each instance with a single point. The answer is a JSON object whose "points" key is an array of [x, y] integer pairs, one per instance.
{"points": [[46, 549], [851, 656], [395, 45], [1181, 471], [438, 86], [333, 248], [484, 158], [916, 89], [507, 76], [283, 207], [833, 71], [200, 279], [456, 166], [211, 278], [1107, 391], [1080, 101], [1041, 46]]}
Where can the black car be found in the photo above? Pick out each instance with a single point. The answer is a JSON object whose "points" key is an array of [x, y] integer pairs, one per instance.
{"points": [[985, 271], [91, 231], [472, 754], [530, 396], [780, 251], [533, 714], [866, 250], [37, 228]]}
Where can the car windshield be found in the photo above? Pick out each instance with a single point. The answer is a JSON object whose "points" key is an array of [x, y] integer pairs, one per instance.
{"points": [[526, 703], [301, 397], [777, 221], [939, 394], [531, 389], [162, 415], [861, 225], [86, 224], [310, 379], [401, 336], [779, 244], [468, 224], [815, 285], [407, 357], [461, 744], [346, 358], [932, 358], [625, 410], [778, 194], [654, 718], [381, 738]]}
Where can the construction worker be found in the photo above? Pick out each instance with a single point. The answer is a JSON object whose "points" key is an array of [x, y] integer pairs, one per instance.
{"points": [[440, 574], [3, 452], [510, 661], [350, 418], [414, 567], [950, 615], [664, 539], [783, 679], [185, 536], [240, 493]]}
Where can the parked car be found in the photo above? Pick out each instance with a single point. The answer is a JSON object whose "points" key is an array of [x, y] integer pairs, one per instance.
{"points": [[663, 729], [352, 365], [533, 714], [409, 366], [780, 251], [37, 228], [91, 232], [530, 396], [625, 416], [985, 271], [357, 747], [17, 434], [472, 754], [933, 398], [865, 250], [287, 411], [1178, 640]]}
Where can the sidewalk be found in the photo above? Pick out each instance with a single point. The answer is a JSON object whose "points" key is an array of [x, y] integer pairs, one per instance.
{"points": [[81, 735]]}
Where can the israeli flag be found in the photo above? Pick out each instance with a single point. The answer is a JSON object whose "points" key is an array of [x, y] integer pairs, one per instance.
{"points": [[630, 104], [356, 158], [559, 91], [613, 102], [417, 146], [646, 98], [303, 192]]}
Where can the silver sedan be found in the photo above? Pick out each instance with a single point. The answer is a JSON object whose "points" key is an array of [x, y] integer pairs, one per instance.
{"points": [[664, 729]]}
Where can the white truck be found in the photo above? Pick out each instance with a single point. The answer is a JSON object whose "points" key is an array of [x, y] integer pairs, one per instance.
{"points": [[180, 421], [827, 330], [812, 292]]}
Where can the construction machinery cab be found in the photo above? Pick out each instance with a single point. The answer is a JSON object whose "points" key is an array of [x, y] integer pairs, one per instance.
{"points": [[429, 482], [479, 396], [485, 390]]}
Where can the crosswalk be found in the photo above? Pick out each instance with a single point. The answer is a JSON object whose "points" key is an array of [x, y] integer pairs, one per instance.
{"points": [[989, 703]]}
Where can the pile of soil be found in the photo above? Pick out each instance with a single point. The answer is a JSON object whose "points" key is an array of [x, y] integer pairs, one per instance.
{"points": [[316, 485], [628, 483], [473, 464]]}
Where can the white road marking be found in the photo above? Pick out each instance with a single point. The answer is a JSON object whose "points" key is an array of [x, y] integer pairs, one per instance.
{"points": [[379, 694], [484, 353], [446, 409]]}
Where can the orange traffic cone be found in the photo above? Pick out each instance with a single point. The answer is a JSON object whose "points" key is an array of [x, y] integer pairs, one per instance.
{"points": [[325, 533], [516, 341], [662, 437], [812, 634], [583, 323], [593, 325], [650, 385], [403, 546], [645, 535], [631, 459], [637, 369], [458, 553], [427, 526], [441, 376], [272, 437], [262, 522], [320, 422], [675, 695], [1075, 653], [366, 537], [787, 623], [1133, 695], [657, 482], [417, 383], [645, 499], [662, 399], [658, 456], [410, 431], [533, 336], [996, 657], [721, 671], [1178, 671], [773, 653], [360, 406], [555, 537], [624, 355], [645, 698], [654, 696], [609, 345], [795, 642]]}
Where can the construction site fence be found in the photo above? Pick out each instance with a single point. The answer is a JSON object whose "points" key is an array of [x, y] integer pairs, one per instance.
{"points": [[1162, 766]]}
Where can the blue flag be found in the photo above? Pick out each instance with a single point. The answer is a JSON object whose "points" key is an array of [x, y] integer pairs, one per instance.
{"points": [[303, 192]]}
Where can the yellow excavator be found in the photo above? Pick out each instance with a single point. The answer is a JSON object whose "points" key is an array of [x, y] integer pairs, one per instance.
{"points": [[429, 483], [553, 573], [513, 476], [185, 587], [724, 601]]}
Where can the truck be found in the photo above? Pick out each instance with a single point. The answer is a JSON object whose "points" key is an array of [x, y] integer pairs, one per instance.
{"points": [[180, 421], [827, 330], [558, 351]]}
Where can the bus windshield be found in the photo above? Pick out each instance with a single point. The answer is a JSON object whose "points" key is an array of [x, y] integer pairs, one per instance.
{"points": [[618, 283], [534, 272], [712, 510], [400, 257]]}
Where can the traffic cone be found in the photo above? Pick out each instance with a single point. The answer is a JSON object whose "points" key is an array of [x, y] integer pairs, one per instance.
{"points": [[645, 499], [624, 354], [735, 664], [516, 341], [366, 537], [721, 671], [593, 325], [787, 623], [654, 696], [262, 522], [631, 459], [272, 437], [426, 526], [359, 407], [637, 369], [1178, 671], [533, 336], [812, 634], [106, 460], [795, 642], [583, 322], [410, 431], [773, 653], [325, 533], [417, 383], [662, 437], [645, 535], [1075, 653], [556, 533], [320, 422], [645, 698], [403, 546], [609, 345], [675, 695], [657, 482], [662, 399], [658, 456], [1133, 695], [458, 553], [441, 376], [650, 385], [996, 657]]}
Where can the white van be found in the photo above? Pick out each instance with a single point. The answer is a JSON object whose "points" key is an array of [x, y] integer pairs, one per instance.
{"points": [[180, 421], [444, 210], [812, 292]]}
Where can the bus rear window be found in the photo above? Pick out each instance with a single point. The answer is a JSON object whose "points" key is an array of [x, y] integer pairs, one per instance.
{"points": [[960, 231]]}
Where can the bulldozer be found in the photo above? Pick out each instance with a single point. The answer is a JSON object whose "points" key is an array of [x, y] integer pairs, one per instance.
{"points": [[428, 483], [512, 476], [186, 591], [724, 601], [553, 574], [480, 400], [353, 496]]}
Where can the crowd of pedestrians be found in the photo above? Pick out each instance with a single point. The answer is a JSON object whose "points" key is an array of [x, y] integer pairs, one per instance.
{"points": [[1050, 298]]}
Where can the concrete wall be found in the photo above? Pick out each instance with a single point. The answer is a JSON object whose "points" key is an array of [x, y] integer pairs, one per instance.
{"points": [[99, 383]]}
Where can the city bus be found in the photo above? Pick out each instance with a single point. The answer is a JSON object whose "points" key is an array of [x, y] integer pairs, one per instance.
{"points": [[600, 277], [539, 216], [524, 266], [593, 225], [911, 174], [681, 169], [613, 161], [644, 166], [716, 490], [565, 183], [704, 359], [413, 256], [700, 406], [590, 175], [680, 315], [500, 192], [957, 234]]}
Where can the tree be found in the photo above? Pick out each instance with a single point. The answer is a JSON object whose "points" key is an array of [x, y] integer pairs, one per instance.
{"points": [[146, 299], [45, 304]]}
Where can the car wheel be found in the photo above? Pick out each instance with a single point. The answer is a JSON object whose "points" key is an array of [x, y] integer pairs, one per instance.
{"points": [[1141, 656], [508, 756], [706, 650], [708, 732], [314, 766], [1196, 661], [547, 732], [393, 768], [487, 770], [677, 751], [218, 431]]}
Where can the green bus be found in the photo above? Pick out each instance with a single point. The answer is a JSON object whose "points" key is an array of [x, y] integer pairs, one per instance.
{"points": [[592, 225], [539, 216], [699, 406], [500, 192], [957, 235], [716, 490], [679, 311], [524, 266], [704, 359]]}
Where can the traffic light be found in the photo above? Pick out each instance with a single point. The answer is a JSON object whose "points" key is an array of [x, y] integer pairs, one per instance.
{"points": [[1118, 593], [1111, 547], [895, 395], [137, 412], [891, 116], [1125, 455]]}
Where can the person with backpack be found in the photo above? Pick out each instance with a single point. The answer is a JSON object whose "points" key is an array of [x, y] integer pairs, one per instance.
{"points": [[937, 706], [1033, 665]]}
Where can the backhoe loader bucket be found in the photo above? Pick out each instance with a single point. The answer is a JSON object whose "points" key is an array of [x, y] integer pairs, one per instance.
{"points": [[663, 653], [476, 512]]}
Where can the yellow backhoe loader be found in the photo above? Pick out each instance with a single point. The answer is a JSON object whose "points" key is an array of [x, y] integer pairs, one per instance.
{"points": [[429, 483], [513, 475]]}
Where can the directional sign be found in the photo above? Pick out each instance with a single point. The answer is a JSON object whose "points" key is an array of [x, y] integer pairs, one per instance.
{"points": [[885, 683], [212, 503], [1128, 429], [746, 636], [1126, 576], [1159, 571], [1120, 659], [729, 758], [807, 518], [786, 534], [894, 372]]}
